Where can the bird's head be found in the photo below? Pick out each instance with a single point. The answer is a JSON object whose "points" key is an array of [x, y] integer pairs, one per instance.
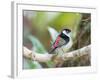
{"points": [[66, 32]]}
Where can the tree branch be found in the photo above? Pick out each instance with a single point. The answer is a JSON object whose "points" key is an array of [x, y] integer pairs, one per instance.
{"points": [[46, 57]]}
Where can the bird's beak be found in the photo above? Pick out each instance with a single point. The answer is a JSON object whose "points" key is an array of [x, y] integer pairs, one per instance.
{"points": [[69, 30]]}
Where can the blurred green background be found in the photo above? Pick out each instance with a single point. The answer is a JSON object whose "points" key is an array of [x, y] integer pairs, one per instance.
{"points": [[39, 27]]}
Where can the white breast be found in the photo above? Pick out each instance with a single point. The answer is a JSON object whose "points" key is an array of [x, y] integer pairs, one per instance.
{"points": [[68, 45]]}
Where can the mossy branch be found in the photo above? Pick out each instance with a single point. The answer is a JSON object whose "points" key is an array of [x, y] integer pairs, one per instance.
{"points": [[46, 57]]}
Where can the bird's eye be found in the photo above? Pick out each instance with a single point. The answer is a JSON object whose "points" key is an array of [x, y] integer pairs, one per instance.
{"points": [[68, 31]]}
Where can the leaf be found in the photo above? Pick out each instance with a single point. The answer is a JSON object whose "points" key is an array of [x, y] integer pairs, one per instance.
{"points": [[50, 64], [37, 45], [28, 64], [53, 33], [39, 48], [36, 64]]}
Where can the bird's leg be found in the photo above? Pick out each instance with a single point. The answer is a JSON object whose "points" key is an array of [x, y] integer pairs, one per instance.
{"points": [[62, 50], [58, 60], [57, 51]]}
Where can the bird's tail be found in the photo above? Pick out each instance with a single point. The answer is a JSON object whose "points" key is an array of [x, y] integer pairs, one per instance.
{"points": [[51, 51]]}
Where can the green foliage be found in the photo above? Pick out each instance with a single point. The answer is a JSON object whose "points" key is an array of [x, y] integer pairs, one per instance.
{"points": [[39, 48], [29, 64], [40, 20], [37, 45]]}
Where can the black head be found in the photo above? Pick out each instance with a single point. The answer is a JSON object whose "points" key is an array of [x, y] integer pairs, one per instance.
{"points": [[65, 31]]}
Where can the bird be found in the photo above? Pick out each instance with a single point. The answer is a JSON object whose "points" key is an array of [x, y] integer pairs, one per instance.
{"points": [[63, 40]]}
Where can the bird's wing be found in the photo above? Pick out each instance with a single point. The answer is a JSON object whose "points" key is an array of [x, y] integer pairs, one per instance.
{"points": [[59, 42]]}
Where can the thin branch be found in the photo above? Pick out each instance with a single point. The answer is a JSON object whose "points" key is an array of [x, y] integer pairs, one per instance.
{"points": [[46, 57]]}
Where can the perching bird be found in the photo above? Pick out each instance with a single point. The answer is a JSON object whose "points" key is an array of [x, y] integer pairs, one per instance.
{"points": [[63, 40]]}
